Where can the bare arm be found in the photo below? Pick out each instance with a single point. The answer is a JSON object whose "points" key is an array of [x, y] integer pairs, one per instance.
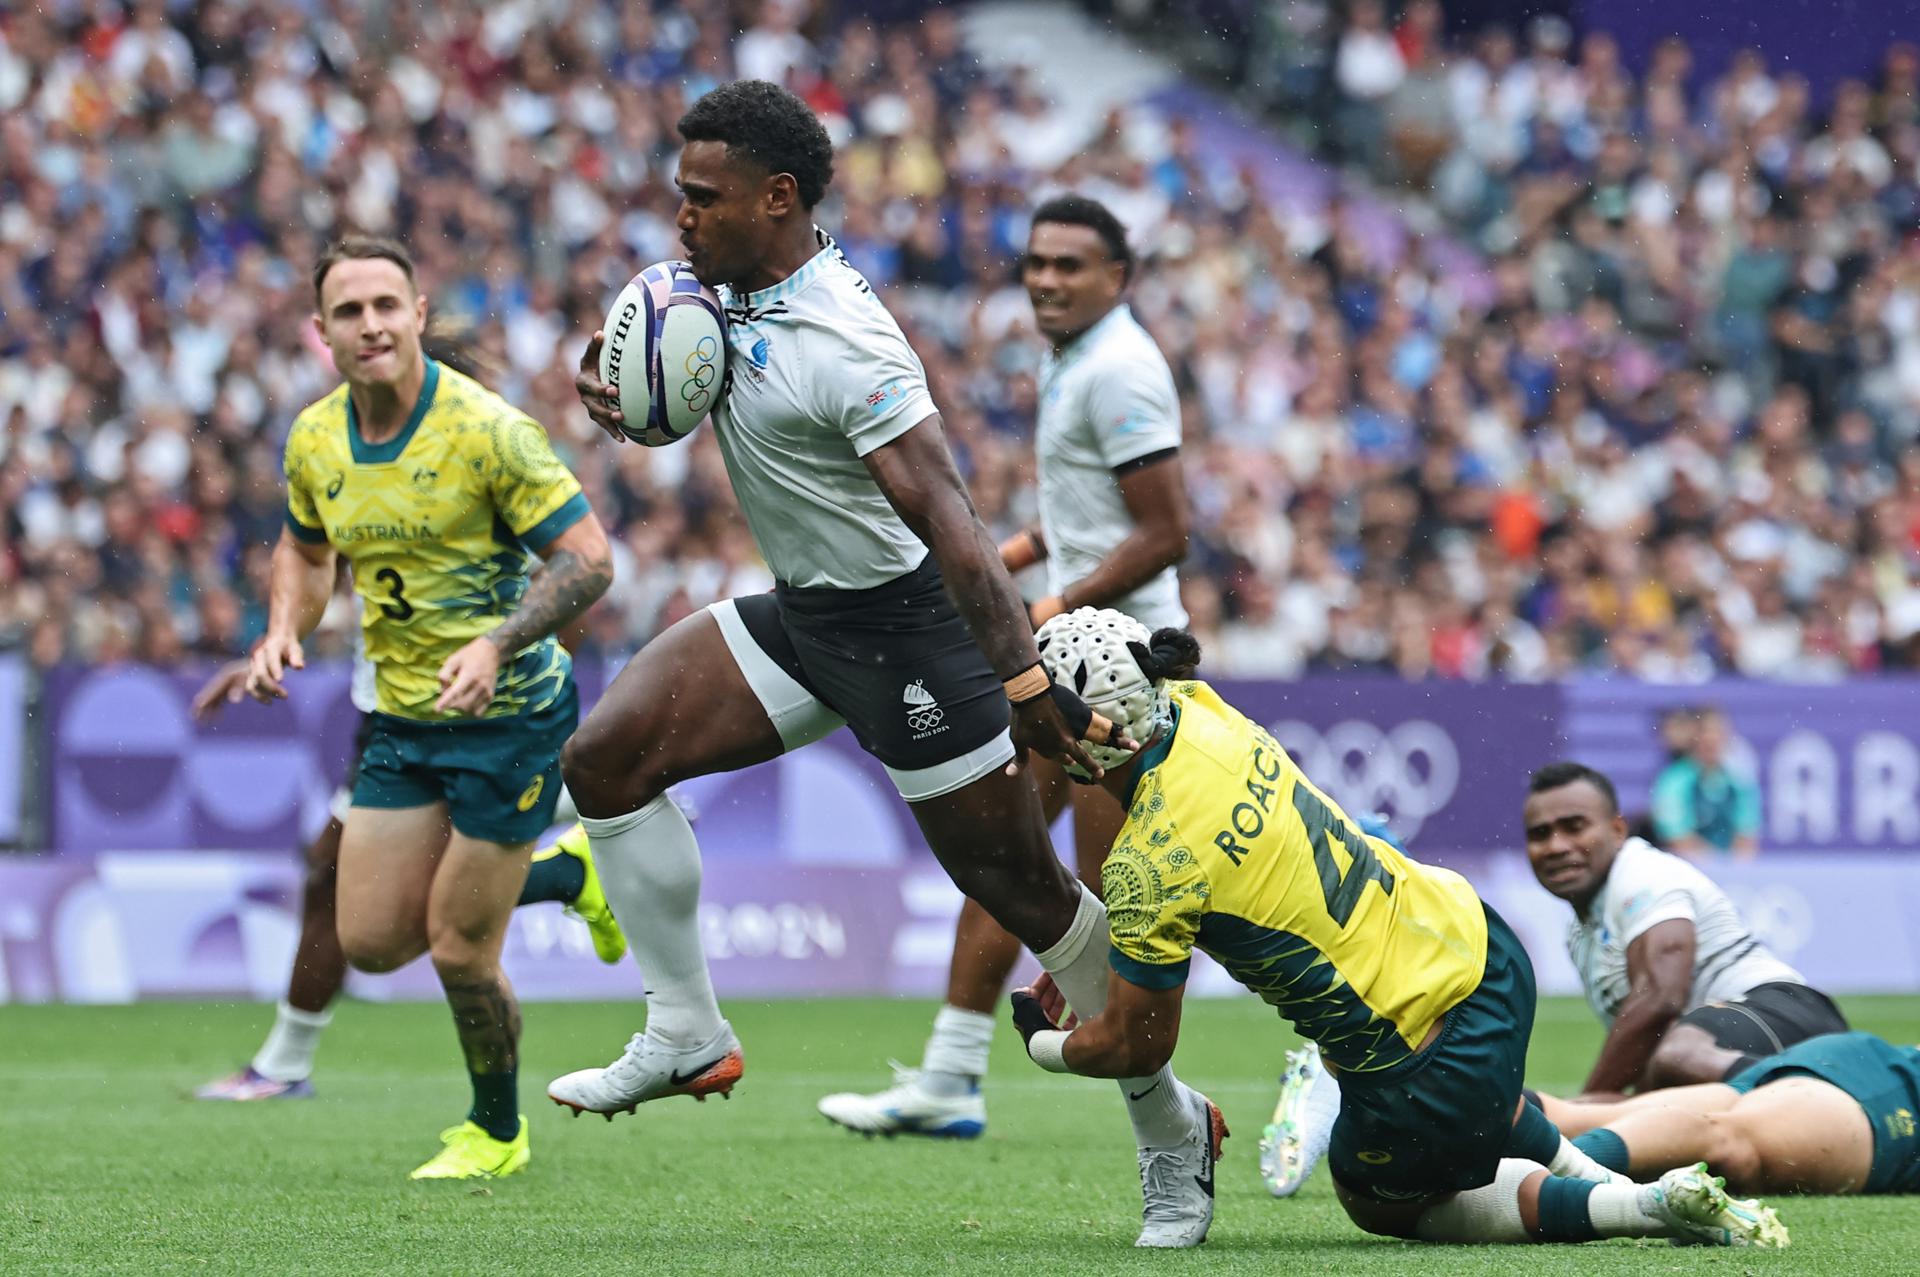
{"points": [[302, 582], [1133, 1037], [577, 571], [1660, 970], [1155, 495]]}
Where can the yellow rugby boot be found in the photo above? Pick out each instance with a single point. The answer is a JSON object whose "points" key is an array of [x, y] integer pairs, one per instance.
{"points": [[471, 1153], [590, 906]]}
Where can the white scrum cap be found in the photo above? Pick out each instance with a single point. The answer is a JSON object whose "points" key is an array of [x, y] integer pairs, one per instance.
{"points": [[1088, 650]]}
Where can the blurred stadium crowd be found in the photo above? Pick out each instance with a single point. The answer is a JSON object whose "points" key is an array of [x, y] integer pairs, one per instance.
{"points": [[1671, 431]]}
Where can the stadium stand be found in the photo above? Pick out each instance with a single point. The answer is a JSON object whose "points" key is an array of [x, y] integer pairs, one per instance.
{"points": [[1664, 424]]}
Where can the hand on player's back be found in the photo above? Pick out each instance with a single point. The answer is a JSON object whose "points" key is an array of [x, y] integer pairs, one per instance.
{"points": [[596, 394]]}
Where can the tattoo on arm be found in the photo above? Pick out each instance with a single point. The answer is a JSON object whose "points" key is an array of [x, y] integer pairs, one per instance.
{"points": [[487, 1017], [564, 587]]}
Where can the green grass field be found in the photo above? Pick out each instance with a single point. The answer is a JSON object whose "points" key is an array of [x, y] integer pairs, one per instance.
{"points": [[109, 1169]]}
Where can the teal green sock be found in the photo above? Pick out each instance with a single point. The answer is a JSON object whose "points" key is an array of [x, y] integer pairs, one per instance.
{"points": [[556, 877], [1564, 1216], [1534, 1138], [1606, 1148], [496, 1103]]}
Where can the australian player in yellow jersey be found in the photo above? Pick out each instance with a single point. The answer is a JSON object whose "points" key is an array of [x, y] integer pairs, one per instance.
{"points": [[438, 493], [1420, 997]]}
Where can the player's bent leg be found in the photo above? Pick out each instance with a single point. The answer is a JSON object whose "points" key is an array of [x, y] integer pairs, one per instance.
{"points": [[1794, 1135], [387, 862], [283, 1066], [701, 698], [1687, 1056], [472, 898]]}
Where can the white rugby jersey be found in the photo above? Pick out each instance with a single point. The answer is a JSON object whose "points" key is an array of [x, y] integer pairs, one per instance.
{"points": [[1105, 400], [821, 375], [1647, 886]]}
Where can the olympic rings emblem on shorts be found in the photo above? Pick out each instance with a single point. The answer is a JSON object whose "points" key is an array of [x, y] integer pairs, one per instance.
{"points": [[696, 390], [1406, 774]]}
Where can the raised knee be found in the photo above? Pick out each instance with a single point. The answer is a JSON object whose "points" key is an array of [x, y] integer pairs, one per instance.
{"points": [[607, 780]]}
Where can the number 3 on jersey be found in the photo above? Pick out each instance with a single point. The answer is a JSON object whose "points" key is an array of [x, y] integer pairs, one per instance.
{"points": [[1342, 891], [396, 605]]}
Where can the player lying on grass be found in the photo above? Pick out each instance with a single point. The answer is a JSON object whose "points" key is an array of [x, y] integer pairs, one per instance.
{"points": [[1417, 993], [1688, 993], [1835, 1114]]}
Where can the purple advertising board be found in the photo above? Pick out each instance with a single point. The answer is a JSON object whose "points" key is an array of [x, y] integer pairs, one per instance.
{"points": [[128, 926], [1838, 764]]}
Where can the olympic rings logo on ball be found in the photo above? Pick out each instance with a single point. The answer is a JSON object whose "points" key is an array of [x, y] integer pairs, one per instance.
{"points": [[1406, 774], [696, 391]]}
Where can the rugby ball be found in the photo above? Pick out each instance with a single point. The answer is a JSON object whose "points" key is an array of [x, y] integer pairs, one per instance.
{"points": [[665, 353]]}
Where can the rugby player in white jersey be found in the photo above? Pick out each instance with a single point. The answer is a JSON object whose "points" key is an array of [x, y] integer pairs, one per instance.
{"points": [[892, 614], [1688, 993], [1113, 528]]}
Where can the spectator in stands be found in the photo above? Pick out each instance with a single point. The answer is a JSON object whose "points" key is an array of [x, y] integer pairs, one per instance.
{"points": [[1701, 807]]}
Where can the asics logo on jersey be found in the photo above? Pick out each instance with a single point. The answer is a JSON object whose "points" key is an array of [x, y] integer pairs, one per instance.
{"points": [[338, 482], [1406, 773], [923, 711], [760, 352]]}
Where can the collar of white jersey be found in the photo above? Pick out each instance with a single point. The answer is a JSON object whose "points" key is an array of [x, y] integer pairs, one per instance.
{"points": [[1084, 341], [809, 271]]}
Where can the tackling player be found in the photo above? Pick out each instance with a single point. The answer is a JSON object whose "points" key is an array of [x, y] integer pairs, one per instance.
{"points": [[1417, 993], [438, 493], [892, 614], [1835, 1114], [1113, 527]]}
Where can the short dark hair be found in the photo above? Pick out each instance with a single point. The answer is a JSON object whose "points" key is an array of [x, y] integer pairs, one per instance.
{"points": [[1557, 775], [771, 127], [1082, 210], [349, 248]]}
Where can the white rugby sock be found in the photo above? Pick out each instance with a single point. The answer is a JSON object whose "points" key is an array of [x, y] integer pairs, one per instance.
{"points": [[1161, 1115], [1620, 1210], [1572, 1163], [1490, 1214], [287, 1054], [649, 867], [956, 1055]]}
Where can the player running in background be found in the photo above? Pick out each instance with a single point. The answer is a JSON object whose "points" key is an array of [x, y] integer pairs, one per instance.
{"points": [[1834, 1114], [283, 1066], [1113, 528], [1688, 992], [892, 614], [1417, 992], [439, 494]]}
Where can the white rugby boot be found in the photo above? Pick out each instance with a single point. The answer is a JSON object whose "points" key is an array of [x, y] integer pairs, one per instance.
{"points": [[1702, 1213], [1296, 1139], [908, 1108], [651, 1070], [1176, 1183]]}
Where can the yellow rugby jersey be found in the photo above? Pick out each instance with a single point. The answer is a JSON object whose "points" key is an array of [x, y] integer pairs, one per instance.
{"points": [[439, 524], [1229, 848]]}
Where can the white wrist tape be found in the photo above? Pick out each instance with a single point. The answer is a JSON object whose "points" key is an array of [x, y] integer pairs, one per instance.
{"points": [[1048, 1049]]}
